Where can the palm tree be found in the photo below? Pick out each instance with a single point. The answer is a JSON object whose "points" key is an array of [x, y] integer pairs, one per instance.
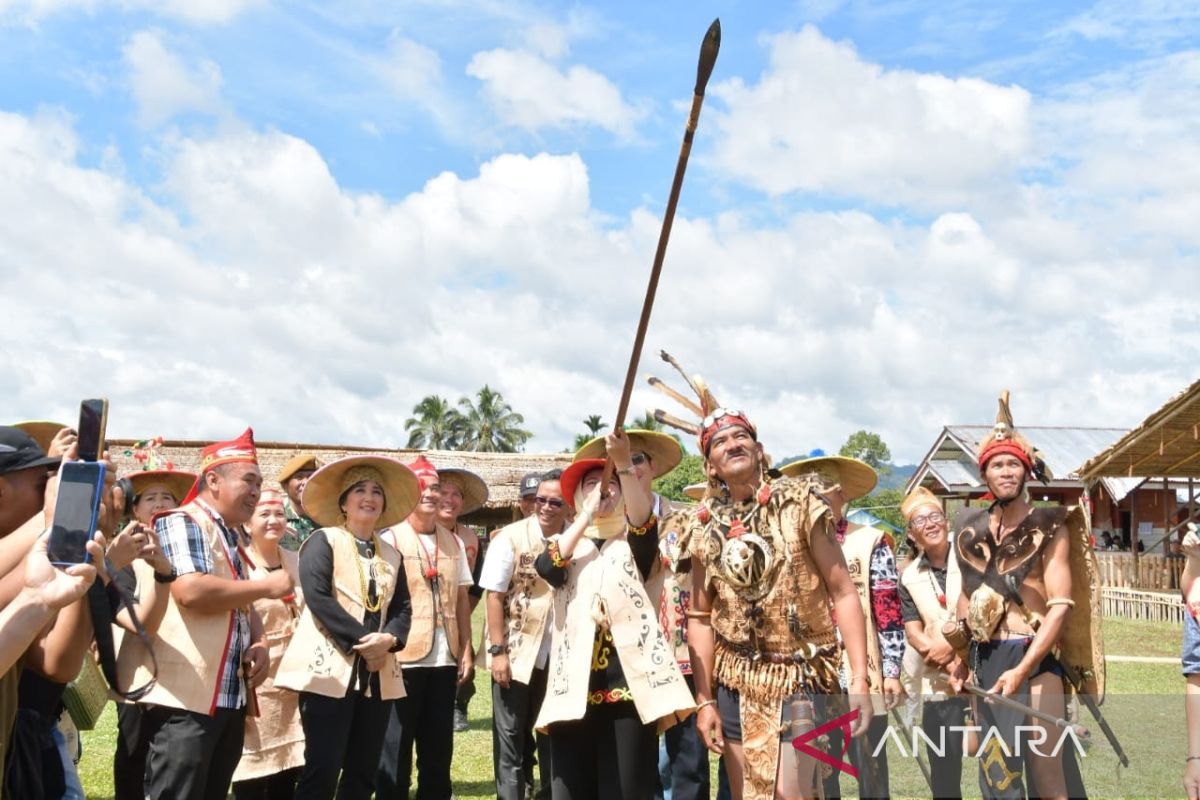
{"points": [[594, 425], [435, 425], [490, 425], [646, 422]]}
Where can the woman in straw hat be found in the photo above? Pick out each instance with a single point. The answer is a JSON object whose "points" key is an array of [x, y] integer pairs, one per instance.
{"points": [[872, 566], [613, 681], [152, 491], [273, 750], [357, 614]]}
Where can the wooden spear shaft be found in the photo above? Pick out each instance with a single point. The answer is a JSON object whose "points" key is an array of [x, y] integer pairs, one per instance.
{"points": [[708, 58]]}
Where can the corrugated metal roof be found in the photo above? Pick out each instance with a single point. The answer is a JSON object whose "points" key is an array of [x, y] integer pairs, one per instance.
{"points": [[1063, 449], [954, 473]]}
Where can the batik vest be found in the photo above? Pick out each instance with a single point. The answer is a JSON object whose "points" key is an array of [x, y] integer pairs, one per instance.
{"points": [[935, 608], [529, 599], [857, 548]]}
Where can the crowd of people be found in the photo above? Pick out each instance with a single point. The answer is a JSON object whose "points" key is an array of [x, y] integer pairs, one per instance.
{"points": [[311, 641]]}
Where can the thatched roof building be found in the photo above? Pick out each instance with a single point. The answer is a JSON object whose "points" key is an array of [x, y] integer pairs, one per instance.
{"points": [[501, 471]]}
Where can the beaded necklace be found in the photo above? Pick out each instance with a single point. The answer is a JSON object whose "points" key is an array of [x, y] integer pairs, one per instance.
{"points": [[362, 576]]}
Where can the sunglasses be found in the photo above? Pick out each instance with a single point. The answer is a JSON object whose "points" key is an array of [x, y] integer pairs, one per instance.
{"points": [[927, 520], [552, 502], [638, 459]]}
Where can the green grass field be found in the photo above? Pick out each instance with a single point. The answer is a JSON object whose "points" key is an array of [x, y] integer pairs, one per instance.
{"points": [[1144, 704]]}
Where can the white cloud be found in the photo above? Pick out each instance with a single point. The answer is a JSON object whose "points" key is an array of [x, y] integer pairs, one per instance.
{"points": [[164, 86], [527, 91], [1148, 24], [820, 119], [199, 12]]}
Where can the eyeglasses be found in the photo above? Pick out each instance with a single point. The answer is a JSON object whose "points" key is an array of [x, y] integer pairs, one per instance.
{"points": [[552, 502], [639, 458], [927, 521]]}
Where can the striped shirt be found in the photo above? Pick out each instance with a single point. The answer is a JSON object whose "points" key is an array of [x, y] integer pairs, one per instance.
{"points": [[187, 548]]}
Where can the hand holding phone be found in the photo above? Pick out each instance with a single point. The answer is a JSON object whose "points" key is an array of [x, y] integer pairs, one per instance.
{"points": [[76, 512], [93, 425]]}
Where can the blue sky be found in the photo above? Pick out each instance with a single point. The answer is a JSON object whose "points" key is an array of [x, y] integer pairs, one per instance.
{"points": [[882, 196]]}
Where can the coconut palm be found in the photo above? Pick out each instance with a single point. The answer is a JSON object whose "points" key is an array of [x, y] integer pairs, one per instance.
{"points": [[594, 425], [490, 425], [435, 425], [646, 422]]}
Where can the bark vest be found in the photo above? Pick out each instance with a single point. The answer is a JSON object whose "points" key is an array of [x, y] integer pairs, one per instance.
{"points": [[191, 646], [529, 598], [857, 549], [274, 739], [918, 579], [604, 586], [312, 663], [676, 596], [416, 559]]}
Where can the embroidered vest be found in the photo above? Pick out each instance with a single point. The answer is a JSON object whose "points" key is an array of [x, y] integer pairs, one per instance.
{"points": [[528, 601], [274, 740], [416, 559], [676, 596], [191, 645], [604, 585], [921, 585], [312, 663], [857, 549]]}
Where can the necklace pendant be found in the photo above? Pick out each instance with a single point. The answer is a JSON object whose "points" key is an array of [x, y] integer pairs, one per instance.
{"points": [[737, 528], [431, 573], [942, 600]]}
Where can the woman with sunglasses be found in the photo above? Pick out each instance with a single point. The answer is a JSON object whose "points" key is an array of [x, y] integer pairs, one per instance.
{"points": [[613, 682]]}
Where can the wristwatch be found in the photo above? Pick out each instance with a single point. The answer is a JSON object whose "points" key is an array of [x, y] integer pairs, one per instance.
{"points": [[160, 578], [497, 649]]}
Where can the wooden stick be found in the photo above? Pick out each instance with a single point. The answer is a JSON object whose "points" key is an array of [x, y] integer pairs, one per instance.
{"points": [[708, 58]]}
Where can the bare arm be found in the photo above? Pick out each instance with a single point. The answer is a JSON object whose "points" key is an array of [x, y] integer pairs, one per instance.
{"points": [[1191, 705], [1057, 574], [13, 549], [208, 594], [700, 634], [494, 618]]}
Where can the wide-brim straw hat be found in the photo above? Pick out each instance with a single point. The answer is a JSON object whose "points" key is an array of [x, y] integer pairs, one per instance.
{"points": [[296, 463], [664, 450], [474, 489], [695, 491], [400, 488], [178, 483], [41, 431], [856, 478]]}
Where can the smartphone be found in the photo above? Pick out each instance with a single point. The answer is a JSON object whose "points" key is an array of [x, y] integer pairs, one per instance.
{"points": [[80, 485], [93, 421]]}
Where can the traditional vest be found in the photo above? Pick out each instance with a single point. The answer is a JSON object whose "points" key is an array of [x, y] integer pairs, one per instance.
{"points": [[312, 663], [857, 549], [529, 598], [604, 587], [191, 646], [416, 559], [791, 622], [470, 543], [921, 585], [274, 739], [982, 562], [676, 596]]}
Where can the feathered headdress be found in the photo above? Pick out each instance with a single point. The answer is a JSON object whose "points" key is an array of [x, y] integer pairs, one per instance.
{"points": [[1006, 439], [711, 416]]}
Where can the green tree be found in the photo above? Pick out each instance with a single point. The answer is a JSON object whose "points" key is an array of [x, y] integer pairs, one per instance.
{"points": [[490, 425], [885, 504], [594, 425], [689, 471], [869, 447], [646, 422], [435, 425]]}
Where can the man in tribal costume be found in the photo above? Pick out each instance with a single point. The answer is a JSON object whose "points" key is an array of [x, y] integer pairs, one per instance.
{"points": [[767, 569], [1024, 572]]}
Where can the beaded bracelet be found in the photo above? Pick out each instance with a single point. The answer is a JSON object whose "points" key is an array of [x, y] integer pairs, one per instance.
{"points": [[556, 557], [639, 531]]}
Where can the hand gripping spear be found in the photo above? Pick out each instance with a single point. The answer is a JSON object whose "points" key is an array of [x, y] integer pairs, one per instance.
{"points": [[708, 58]]}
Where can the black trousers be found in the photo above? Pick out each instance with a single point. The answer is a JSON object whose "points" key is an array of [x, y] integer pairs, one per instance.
{"points": [[607, 755], [687, 759], [424, 719], [342, 736], [192, 756], [280, 786], [946, 769], [514, 711], [129, 759]]}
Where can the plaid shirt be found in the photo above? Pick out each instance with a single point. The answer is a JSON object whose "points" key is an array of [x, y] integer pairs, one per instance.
{"points": [[187, 548]]}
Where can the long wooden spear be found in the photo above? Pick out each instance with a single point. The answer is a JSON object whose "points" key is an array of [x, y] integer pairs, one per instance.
{"points": [[708, 58]]}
